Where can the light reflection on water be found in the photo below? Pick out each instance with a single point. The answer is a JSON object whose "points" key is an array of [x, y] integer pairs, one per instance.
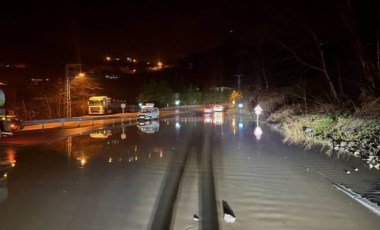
{"points": [[113, 177], [7, 163]]}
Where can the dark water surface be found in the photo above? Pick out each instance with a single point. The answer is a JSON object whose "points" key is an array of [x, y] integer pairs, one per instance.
{"points": [[159, 174]]}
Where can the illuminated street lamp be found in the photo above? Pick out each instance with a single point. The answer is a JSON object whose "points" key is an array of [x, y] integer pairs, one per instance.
{"points": [[258, 111], [159, 64]]}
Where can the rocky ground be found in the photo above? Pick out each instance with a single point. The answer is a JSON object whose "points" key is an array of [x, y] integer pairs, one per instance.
{"points": [[343, 133]]}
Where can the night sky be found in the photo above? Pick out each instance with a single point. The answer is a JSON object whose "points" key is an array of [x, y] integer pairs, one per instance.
{"points": [[152, 30]]}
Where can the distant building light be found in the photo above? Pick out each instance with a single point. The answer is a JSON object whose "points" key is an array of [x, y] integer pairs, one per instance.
{"points": [[19, 66], [134, 60], [108, 58], [112, 77], [159, 65], [177, 102], [240, 105]]}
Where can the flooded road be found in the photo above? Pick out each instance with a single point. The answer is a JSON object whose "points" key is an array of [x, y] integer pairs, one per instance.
{"points": [[159, 175]]}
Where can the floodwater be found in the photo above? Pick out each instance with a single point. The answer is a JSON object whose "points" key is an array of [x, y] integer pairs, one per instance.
{"points": [[158, 175]]}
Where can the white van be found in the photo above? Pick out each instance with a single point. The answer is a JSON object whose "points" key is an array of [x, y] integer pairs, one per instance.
{"points": [[148, 112], [149, 126]]}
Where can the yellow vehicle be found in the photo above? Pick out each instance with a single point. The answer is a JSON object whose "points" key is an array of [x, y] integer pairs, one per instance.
{"points": [[101, 134], [98, 105]]}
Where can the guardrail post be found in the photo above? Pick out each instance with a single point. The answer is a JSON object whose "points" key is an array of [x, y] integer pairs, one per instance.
{"points": [[78, 124], [62, 124], [43, 125], [92, 122]]}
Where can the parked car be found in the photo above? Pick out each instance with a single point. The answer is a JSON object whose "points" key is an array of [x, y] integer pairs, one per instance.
{"points": [[207, 110], [148, 112]]}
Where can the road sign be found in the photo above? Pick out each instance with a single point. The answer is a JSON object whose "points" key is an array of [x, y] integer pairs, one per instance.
{"points": [[122, 107]]}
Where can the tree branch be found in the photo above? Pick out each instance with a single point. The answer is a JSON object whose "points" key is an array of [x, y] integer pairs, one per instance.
{"points": [[298, 59]]}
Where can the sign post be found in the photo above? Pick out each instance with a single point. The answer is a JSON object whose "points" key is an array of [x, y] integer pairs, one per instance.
{"points": [[258, 111], [122, 107]]}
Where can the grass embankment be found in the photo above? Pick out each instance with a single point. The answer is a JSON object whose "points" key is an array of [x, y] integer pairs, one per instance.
{"points": [[355, 132], [244, 113]]}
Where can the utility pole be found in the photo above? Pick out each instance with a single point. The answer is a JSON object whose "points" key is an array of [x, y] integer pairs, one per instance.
{"points": [[378, 53], [378, 45], [71, 71], [238, 76]]}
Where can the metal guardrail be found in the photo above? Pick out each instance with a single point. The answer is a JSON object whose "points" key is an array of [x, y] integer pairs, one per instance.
{"points": [[181, 107], [77, 120]]}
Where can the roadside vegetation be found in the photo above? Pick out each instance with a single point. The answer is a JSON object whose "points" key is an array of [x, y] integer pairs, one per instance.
{"points": [[342, 128]]}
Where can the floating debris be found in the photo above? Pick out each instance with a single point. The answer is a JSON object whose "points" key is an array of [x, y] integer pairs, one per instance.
{"points": [[229, 215], [195, 217], [347, 171]]}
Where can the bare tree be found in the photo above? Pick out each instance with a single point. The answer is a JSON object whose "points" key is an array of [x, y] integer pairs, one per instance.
{"points": [[81, 91], [48, 107], [263, 72], [322, 69], [367, 65]]}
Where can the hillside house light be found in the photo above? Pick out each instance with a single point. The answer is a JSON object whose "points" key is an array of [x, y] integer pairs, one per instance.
{"points": [[240, 105]]}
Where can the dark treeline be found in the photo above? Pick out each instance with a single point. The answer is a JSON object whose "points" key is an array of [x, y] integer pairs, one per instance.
{"points": [[324, 50]]}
